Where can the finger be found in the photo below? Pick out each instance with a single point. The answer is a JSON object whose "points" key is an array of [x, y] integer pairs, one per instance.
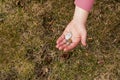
{"points": [[83, 40], [71, 46], [63, 46], [60, 39], [61, 43]]}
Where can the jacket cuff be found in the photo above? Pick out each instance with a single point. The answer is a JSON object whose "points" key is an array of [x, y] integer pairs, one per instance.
{"points": [[84, 4]]}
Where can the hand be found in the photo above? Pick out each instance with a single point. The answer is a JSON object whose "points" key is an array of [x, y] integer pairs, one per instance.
{"points": [[79, 34]]}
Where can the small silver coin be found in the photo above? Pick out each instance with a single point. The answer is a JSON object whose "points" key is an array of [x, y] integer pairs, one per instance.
{"points": [[68, 35]]}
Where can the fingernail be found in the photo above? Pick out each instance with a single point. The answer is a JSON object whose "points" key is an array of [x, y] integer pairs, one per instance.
{"points": [[65, 50], [56, 46], [83, 43], [57, 42], [60, 48]]}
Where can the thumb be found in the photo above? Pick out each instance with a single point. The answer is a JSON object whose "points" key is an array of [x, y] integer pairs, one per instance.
{"points": [[83, 39]]}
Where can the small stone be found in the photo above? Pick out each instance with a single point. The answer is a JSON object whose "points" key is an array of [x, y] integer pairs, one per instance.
{"points": [[68, 35], [69, 41], [1, 19]]}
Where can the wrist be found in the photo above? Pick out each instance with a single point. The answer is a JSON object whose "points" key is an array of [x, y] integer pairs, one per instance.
{"points": [[78, 23], [80, 15]]}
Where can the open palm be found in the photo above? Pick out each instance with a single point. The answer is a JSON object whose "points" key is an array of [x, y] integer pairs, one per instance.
{"points": [[78, 35]]}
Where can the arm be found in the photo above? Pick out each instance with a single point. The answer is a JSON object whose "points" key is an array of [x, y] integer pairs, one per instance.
{"points": [[82, 9], [76, 26], [80, 15]]}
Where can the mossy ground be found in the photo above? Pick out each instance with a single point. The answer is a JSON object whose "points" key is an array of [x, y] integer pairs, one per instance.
{"points": [[28, 33]]}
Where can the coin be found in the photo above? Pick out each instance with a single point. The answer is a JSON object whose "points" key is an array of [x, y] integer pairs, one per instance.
{"points": [[68, 35]]}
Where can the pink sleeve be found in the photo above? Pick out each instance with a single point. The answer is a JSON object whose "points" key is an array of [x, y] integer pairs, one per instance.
{"points": [[84, 4]]}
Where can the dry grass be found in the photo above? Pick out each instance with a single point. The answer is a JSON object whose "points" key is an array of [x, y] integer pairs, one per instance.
{"points": [[28, 32]]}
